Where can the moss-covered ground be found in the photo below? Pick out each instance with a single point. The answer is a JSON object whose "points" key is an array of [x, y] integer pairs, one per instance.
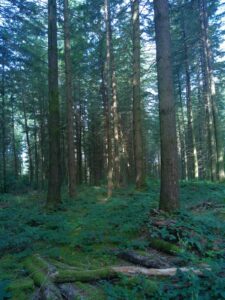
{"points": [[85, 232]]}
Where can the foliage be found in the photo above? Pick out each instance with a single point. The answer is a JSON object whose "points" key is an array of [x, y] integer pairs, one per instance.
{"points": [[190, 232], [3, 293], [190, 286], [138, 288], [85, 232]]}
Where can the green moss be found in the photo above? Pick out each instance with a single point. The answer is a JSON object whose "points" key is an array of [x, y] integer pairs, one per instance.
{"points": [[93, 259], [83, 233], [8, 267], [165, 246], [84, 276], [21, 284], [19, 295], [39, 262], [38, 276]]}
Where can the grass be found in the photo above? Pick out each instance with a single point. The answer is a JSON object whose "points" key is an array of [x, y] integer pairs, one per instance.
{"points": [[86, 230]]}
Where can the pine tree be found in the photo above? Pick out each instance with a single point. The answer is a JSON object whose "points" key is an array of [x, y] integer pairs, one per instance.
{"points": [[169, 197]]}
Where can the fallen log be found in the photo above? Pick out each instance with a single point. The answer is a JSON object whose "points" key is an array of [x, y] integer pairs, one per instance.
{"points": [[48, 280], [116, 271], [143, 260], [63, 276], [130, 270], [40, 274]]}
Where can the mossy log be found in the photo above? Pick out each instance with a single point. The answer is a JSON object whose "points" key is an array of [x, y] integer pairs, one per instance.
{"points": [[37, 268], [84, 276], [130, 270], [113, 272], [165, 246], [37, 274], [143, 260], [21, 284], [48, 280]]}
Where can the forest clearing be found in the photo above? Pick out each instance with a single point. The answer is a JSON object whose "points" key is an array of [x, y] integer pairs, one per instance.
{"points": [[112, 147]]}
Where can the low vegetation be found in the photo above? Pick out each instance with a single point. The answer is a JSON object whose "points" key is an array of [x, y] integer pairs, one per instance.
{"points": [[91, 232]]}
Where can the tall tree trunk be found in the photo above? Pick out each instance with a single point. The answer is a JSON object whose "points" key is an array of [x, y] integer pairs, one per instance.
{"points": [[79, 114], [207, 91], [3, 121], [70, 109], [137, 115], [15, 157], [111, 157], [219, 142], [112, 87], [182, 133], [169, 194], [54, 180], [29, 150], [36, 152], [85, 160], [108, 131], [42, 139], [191, 147], [202, 130]]}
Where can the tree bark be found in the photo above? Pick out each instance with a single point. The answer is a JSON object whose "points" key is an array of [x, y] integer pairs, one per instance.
{"points": [[207, 88], [107, 99], [15, 156], [201, 128], [182, 134], [112, 88], [79, 118], [42, 139], [3, 122], [169, 194], [137, 115], [143, 260], [29, 150], [191, 147], [219, 144], [54, 180], [69, 101]]}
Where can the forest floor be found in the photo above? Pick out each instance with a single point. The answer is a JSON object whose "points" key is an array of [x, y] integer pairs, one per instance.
{"points": [[92, 233]]}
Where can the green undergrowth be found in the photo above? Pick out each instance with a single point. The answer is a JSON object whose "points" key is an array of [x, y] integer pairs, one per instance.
{"points": [[85, 232]]}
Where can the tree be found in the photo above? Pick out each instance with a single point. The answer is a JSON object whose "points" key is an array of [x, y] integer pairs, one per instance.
{"points": [[213, 126], [109, 116], [112, 91], [169, 196], [54, 180], [69, 104], [3, 119], [137, 113], [192, 162]]}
